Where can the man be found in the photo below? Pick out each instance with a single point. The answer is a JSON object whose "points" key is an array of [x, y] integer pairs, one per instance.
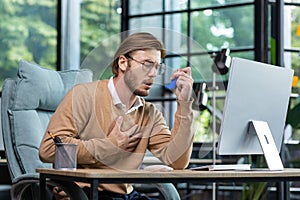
{"points": [[113, 125]]}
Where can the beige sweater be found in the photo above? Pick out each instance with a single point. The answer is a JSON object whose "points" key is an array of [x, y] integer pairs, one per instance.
{"points": [[86, 116]]}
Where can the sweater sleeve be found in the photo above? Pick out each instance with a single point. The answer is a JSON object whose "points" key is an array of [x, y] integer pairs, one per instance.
{"points": [[62, 125], [174, 147], [68, 121]]}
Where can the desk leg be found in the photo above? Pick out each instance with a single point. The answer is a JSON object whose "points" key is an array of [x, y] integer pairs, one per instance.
{"points": [[94, 190], [283, 190], [42, 186], [286, 187]]}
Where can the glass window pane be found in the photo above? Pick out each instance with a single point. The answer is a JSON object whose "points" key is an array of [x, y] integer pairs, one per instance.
{"points": [[292, 27], [145, 22], [27, 31], [99, 35], [244, 54], [176, 38], [171, 5], [211, 30], [229, 27], [202, 66], [174, 35], [295, 100], [137, 7], [207, 3], [202, 69], [295, 59]]}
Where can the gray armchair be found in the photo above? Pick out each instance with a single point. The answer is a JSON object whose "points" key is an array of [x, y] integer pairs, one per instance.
{"points": [[26, 107]]}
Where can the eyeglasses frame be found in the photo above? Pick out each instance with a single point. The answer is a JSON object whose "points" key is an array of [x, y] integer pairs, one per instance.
{"points": [[160, 68]]}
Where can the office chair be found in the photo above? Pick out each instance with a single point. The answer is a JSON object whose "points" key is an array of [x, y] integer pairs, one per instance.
{"points": [[27, 105]]}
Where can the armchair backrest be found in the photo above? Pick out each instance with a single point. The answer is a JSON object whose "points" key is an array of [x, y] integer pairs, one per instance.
{"points": [[27, 105]]}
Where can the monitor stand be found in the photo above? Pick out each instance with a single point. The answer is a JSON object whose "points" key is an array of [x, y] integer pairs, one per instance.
{"points": [[263, 132]]}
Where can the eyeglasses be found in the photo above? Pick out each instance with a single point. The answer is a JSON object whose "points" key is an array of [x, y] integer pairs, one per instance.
{"points": [[148, 66]]}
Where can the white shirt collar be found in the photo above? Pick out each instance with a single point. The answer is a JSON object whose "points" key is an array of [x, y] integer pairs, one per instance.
{"points": [[116, 100]]}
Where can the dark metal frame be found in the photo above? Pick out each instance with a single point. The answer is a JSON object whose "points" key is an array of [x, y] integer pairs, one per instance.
{"points": [[277, 31], [259, 41], [261, 31], [260, 46], [126, 17], [282, 181], [59, 34]]}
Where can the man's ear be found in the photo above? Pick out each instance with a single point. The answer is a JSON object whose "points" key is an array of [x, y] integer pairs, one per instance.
{"points": [[123, 63]]}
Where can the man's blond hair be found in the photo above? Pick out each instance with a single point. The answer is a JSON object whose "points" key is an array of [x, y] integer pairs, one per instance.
{"points": [[135, 42]]}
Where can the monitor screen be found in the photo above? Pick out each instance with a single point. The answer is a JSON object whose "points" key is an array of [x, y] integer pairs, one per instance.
{"points": [[256, 91]]}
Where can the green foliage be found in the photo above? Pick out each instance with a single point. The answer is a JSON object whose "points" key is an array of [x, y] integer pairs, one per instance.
{"points": [[99, 21], [294, 107], [27, 31], [100, 28], [219, 28], [295, 39], [254, 191], [203, 132]]}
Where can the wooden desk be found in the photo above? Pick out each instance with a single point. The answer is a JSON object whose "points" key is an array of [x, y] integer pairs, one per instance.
{"points": [[151, 160], [96, 176]]}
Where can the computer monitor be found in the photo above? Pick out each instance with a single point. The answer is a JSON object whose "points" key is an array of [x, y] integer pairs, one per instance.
{"points": [[255, 110]]}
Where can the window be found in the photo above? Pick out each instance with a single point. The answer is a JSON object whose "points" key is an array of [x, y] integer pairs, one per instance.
{"points": [[28, 31], [34, 31], [100, 25], [192, 32], [204, 27], [291, 58]]}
